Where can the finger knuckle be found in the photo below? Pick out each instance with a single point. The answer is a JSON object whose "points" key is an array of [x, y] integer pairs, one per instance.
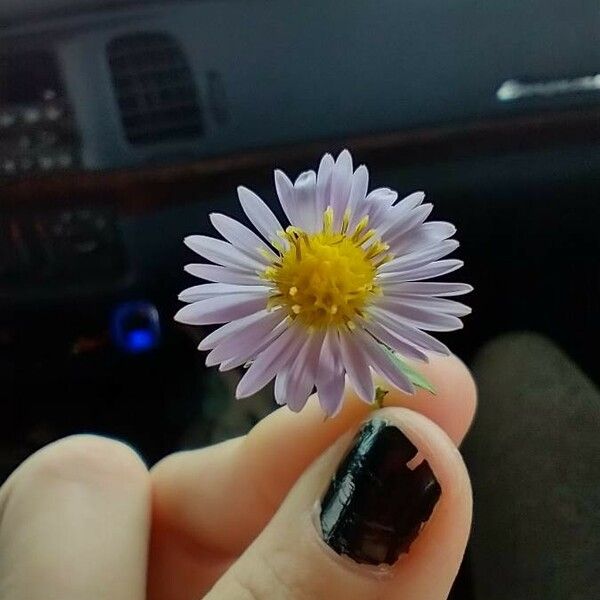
{"points": [[86, 459]]}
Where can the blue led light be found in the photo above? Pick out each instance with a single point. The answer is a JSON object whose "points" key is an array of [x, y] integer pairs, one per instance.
{"points": [[135, 327], [140, 340]]}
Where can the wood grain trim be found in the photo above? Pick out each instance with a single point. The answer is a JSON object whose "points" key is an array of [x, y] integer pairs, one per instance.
{"points": [[141, 189]]}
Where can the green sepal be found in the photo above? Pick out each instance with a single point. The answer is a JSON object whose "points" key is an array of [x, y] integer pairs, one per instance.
{"points": [[414, 377]]}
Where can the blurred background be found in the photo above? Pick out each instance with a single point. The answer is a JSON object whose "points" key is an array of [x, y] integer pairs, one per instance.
{"points": [[123, 124]]}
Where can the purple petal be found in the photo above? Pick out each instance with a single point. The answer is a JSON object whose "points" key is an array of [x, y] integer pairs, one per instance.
{"points": [[270, 361], [233, 327], [249, 338], [280, 387], [428, 288], [251, 353], [382, 196], [423, 236], [331, 357], [406, 223], [383, 363], [306, 202], [331, 379], [341, 183], [402, 328], [430, 303], [394, 341], [379, 202], [331, 393], [223, 274], [420, 317], [435, 269], [301, 376], [398, 213], [210, 290], [411, 201], [357, 367], [358, 192], [227, 365], [285, 192], [242, 238], [222, 253], [221, 309], [420, 258], [260, 215], [324, 183]]}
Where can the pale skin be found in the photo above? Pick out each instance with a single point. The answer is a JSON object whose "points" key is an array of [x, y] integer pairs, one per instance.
{"points": [[84, 518]]}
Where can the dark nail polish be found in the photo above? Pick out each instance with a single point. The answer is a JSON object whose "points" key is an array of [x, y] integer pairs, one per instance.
{"points": [[376, 505]]}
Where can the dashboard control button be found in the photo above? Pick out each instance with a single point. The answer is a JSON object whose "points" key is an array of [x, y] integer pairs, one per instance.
{"points": [[53, 113], [9, 167], [7, 119], [64, 160], [46, 163], [49, 94], [31, 115]]}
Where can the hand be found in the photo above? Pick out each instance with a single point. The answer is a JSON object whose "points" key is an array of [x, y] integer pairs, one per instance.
{"points": [[83, 518]]}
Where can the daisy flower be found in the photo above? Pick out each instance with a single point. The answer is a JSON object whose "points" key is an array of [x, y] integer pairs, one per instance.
{"points": [[339, 292]]}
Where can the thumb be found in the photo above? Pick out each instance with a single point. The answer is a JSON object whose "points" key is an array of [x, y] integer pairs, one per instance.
{"points": [[353, 525]]}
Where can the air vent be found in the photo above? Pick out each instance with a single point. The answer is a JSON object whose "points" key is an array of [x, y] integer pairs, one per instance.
{"points": [[155, 89]]}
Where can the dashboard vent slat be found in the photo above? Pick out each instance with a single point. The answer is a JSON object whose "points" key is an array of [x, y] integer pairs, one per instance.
{"points": [[155, 89]]}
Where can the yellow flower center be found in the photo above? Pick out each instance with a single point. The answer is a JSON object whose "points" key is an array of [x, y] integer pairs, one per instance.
{"points": [[327, 278]]}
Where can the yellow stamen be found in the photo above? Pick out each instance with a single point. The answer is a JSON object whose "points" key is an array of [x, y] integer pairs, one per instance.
{"points": [[360, 227], [327, 278], [345, 222], [328, 220]]}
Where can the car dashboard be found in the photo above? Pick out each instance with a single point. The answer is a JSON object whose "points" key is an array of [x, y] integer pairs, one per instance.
{"points": [[123, 125]]}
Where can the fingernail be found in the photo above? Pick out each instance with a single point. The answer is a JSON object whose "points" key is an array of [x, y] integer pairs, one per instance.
{"points": [[376, 505]]}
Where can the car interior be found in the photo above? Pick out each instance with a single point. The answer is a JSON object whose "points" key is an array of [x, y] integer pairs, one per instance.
{"points": [[125, 123]]}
